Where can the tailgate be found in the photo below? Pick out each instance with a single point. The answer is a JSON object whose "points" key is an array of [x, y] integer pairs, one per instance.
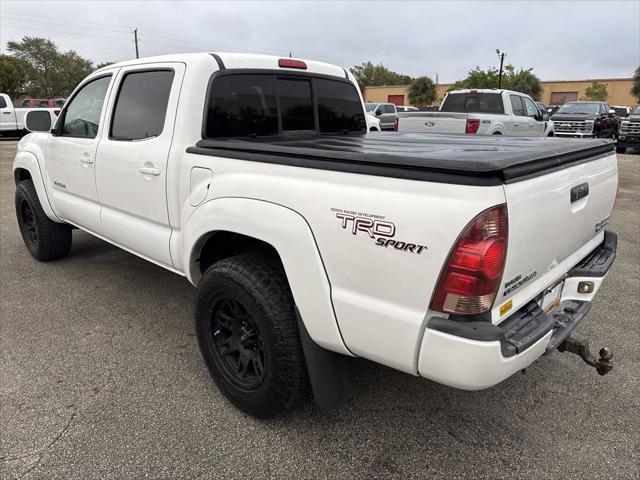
{"points": [[555, 220], [432, 122]]}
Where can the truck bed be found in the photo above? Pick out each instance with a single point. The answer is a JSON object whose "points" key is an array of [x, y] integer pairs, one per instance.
{"points": [[469, 160]]}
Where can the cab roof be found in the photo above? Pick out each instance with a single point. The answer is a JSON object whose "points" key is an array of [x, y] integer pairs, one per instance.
{"points": [[229, 60]]}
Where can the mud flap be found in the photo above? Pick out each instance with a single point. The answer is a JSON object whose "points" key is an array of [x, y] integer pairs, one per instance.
{"points": [[332, 375]]}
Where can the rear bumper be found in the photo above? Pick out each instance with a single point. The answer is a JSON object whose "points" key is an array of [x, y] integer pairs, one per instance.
{"points": [[477, 354]]}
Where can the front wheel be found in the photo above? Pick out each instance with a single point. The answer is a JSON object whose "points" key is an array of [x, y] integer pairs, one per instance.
{"points": [[248, 334], [45, 239], [621, 149]]}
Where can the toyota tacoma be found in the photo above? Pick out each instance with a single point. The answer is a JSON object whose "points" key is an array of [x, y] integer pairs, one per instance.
{"points": [[460, 259]]}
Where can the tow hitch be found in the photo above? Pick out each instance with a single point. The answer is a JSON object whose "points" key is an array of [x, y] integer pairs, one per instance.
{"points": [[603, 365]]}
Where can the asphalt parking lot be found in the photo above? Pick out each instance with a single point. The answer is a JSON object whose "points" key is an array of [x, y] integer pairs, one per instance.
{"points": [[101, 377]]}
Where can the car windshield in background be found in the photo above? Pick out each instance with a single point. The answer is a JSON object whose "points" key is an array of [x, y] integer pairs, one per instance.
{"points": [[621, 112], [261, 105], [580, 108], [473, 103], [636, 111], [369, 107]]}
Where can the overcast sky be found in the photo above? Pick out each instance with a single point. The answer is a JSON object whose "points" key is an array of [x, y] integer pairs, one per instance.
{"points": [[560, 40]]}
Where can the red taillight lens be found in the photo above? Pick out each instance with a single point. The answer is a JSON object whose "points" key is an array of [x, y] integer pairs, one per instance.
{"points": [[290, 63], [471, 277], [395, 125], [472, 126]]}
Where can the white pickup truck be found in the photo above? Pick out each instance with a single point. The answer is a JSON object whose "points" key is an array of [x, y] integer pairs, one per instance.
{"points": [[12, 120], [481, 112], [311, 241]]}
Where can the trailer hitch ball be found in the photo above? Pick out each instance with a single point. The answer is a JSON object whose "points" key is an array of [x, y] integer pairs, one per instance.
{"points": [[603, 365]]}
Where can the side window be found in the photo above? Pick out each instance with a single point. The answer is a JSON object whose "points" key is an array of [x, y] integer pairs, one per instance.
{"points": [[82, 115], [532, 110], [388, 108], [3, 103], [295, 104], [141, 105], [516, 105], [242, 106]]}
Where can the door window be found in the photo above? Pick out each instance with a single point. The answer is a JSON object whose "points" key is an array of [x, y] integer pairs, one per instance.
{"points": [[3, 103], [532, 110], [141, 105], [516, 105], [82, 115], [388, 108]]}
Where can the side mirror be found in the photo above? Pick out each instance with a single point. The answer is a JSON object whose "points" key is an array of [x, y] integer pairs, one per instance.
{"points": [[38, 121], [545, 116], [378, 113]]}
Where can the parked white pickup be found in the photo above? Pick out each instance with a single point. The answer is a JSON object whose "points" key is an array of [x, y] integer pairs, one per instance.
{"points": [[12, 120], [481, 112], [461, 259]]}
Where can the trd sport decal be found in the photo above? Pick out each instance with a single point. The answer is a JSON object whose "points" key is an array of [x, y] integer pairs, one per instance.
{"points": [[377, 228]]}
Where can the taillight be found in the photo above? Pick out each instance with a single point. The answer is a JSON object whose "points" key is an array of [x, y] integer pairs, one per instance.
{"points": [[471, 276], [290, 63], [395, 125], [472, 126]]}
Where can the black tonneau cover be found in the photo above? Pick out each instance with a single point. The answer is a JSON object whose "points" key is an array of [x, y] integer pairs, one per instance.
{"points": [[472, 160]]}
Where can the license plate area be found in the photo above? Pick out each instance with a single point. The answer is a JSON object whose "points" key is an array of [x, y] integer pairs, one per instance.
{"points": [[550, 298]]}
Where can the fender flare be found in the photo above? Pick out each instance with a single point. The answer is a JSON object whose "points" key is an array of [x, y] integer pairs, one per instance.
{"points": [[288, 232], [28, 161]]}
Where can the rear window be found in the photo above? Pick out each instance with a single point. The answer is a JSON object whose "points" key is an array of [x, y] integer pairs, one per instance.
{"points": [[339, 107], [473, 103], [258, 105], [295, 104]]}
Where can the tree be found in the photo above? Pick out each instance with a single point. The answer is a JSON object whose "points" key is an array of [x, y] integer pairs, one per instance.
{"points": [[71, 68], [42, 55], [51, 73], [14, 75], [520, 81], [635, 89], [597, 91], [102, 65], [525, 82], [422, 91], [367, 74]]}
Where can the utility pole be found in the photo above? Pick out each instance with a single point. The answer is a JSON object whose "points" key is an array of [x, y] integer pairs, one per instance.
{"points": [[135, 40], [501, 57]]}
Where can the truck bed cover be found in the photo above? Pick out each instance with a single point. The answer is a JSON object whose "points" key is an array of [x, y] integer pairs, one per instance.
{"points": [[489, 160]]}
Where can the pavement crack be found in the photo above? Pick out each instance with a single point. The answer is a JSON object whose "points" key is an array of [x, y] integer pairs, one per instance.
{"points": [[49, 446]]}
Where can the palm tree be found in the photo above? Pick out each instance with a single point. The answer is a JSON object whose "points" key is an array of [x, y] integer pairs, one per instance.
{"points": [[422, 91]]}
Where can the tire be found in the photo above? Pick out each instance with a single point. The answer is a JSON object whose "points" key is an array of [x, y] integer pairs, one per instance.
{"points": [[46, 240], [551, 134], [248, 335], [621, 149]]}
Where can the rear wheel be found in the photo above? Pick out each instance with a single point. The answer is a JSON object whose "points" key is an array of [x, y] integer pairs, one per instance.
{"points": [[46, 240], [248, 334]]}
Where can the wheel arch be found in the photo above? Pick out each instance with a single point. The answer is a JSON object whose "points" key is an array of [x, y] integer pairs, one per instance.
{"points": [[228, 226], [26, 167]]}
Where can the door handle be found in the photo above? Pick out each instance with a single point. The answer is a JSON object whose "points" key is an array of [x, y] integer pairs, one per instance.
{"points": [[516, 124], [86, 158], [150, 171], [6, 113]]}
